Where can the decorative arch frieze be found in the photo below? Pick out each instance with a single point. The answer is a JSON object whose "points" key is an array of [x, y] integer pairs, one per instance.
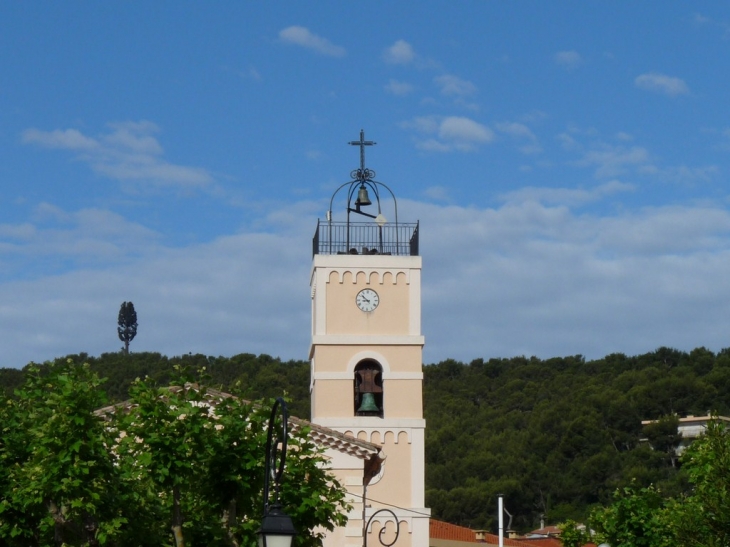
{"points": [[384, 435], [372, 275]]}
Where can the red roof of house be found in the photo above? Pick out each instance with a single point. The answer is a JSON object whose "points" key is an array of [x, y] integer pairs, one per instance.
{"points": [[547, 531], [443, 530]]}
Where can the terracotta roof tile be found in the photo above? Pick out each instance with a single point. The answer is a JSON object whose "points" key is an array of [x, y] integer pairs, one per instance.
{"points": [[443, 530], [320, 435]]}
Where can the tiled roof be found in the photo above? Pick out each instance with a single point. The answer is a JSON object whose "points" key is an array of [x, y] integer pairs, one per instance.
{"points": [[320, 435], [443, 530], [547, 531], [451, 532], [329, 438]]}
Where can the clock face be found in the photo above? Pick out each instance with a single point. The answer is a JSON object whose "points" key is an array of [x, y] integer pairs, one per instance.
{"points": [[367, 300]]}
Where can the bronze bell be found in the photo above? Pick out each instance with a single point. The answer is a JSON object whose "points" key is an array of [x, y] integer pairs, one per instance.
{"points": [[368, 403], [362, 196]]}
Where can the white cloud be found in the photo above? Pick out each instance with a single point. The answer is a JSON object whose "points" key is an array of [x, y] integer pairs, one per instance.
{"points": [[254, 74], [23, 232], [555, 283], [669, 85], [84, 237], [438, 193], [400, 53], [424, 124], [460, 129], [454, 86], [523, 278], [611, 161], [702, 20], [568, 59], [515, 129], [302, 36], [433, 145], [534, 116], [724, 141], [449, 133], [521, 132], [135, 137], [182, 297], [567, 196], [567, 142], [69, 139], [398, 88], [129, 152], [683, 174]]}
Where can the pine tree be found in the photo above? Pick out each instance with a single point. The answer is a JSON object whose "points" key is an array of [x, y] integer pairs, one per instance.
{"points": [[127, 321]]}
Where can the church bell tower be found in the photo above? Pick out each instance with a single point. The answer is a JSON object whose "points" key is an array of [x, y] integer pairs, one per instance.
{"points": [[366, 350]]}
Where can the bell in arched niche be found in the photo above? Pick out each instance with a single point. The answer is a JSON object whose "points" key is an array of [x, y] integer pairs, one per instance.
{"points": [[368, 389]]}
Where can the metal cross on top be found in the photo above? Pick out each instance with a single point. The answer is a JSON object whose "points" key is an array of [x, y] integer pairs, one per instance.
{"points": [[363, 173]]}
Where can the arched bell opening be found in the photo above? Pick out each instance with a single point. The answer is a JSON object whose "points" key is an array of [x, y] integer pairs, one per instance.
{"points": [[368, 396]]}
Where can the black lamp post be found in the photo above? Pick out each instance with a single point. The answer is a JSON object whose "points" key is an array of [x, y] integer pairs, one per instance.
{"points": [[277, 529], [382, 530]]}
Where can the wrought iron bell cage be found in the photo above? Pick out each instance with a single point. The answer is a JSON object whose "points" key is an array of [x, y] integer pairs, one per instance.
{"points": [[379, 236]]}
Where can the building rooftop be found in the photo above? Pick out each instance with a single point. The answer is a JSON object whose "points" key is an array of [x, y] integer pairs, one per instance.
{"points": [[320, 435], [444, 534]]}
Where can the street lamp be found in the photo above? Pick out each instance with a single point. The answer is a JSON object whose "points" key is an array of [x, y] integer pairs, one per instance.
{"points": [[277, 529], [382, 529]]}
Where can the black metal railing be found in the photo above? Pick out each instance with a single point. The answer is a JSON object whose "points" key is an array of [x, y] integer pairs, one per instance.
{"points": [[365, 238]]}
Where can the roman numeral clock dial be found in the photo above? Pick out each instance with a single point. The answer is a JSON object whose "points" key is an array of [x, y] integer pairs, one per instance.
{"points": [[367, 300]]}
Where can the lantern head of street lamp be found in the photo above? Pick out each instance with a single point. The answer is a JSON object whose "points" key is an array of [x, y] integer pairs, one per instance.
{"points": [[277, 529]]}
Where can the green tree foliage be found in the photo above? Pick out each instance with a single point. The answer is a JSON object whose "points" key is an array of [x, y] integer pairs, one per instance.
{"points": [[10, 380], [703, 517], [559, 436], [171, 466], [636, 518], [127, 324], [700, 518], [663, 436], [573, 534], [555, 436], [60, 483], [257, 377]]}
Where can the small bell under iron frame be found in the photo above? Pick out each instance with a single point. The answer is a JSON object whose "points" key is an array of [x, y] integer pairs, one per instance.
{"points": [[363, 198]]}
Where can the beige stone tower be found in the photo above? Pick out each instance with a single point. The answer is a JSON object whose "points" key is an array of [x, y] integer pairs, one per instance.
{"points": [[366, 358]]}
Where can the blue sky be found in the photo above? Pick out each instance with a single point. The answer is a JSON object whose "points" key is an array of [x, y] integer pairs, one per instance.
{"points": [[568, 163]]}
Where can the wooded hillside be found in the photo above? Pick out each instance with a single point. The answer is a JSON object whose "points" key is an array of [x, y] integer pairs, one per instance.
{"points": [[554, 436]]}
